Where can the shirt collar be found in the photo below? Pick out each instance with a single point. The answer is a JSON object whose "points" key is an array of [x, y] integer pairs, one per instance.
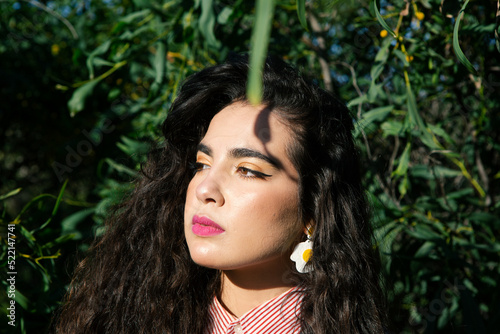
{"points": [[278, 315]]}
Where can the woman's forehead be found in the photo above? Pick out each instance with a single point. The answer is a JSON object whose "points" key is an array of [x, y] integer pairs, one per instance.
{"points": [[243, 121]]}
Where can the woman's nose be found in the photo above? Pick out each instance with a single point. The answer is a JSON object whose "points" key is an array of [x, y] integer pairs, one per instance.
{"points": [[209, 189]]}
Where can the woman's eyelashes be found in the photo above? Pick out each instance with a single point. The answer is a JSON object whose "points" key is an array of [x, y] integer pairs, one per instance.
{"points": [[244, 172], [199, 166], [248, 173], [196, 167]]}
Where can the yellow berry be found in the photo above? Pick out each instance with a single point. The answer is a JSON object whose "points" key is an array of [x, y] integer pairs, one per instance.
{"points": [[383, 33], [55, 49], [409, 58], [420, 16]]}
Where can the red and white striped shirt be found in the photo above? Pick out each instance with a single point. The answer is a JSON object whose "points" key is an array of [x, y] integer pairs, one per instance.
{"points": [[276, 316]]}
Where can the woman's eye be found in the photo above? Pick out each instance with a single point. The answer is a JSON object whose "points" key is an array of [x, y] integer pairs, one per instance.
{"points": [[249, 173], [198, 166], [201, 166]]}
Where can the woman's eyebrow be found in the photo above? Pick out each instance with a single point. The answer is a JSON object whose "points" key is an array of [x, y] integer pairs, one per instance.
{"points": [[204, 149], [249, 153], [243, 153]]}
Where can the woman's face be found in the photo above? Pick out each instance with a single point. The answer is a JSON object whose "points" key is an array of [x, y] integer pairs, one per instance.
{"points": [[242, 205]]}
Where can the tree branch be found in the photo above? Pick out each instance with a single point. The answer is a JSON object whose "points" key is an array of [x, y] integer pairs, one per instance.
{"points": [[53, 13], [323, 62]]}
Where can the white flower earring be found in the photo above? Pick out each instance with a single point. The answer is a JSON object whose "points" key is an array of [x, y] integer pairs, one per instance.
{"points": [[302, 253]]}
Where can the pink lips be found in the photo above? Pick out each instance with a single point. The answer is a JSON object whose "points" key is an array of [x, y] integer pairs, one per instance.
{"points": [[204, 227]]}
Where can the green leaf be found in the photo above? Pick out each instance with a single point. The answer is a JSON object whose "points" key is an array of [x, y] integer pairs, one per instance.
{"points": [[489, 281], [102, 62], [377, 114], [401, 57], [141, 3], [59, 198], [260, 39], [485, 218], [301, 12], [224, 15], [479, 28], [404, 161], [69, 224], [403, 186], [437, 130], [414, 116], [456, 45], [131, 147], [383, 53], [381, 19], [424, 232], [359, 100], [101, 49], [134, 16], [425, 249], [429, 173], [375, 91], [21, 300], [30, 238], [207, 22], [80, 95], [460, 193], [386, 236], [416, 120], [392, 128], [376, 70], [159, 66], [444, 318], [120, 168], [10, 194]]}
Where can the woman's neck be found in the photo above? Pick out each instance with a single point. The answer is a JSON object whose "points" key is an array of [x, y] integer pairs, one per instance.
{"points": [[245, 289]]}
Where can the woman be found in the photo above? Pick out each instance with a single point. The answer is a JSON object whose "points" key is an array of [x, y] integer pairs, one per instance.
{"points": [[204, 244]]}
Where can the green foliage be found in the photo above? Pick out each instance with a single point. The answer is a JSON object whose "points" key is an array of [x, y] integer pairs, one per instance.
{"points": [[30, 247], [421, 77], [435, 202]]}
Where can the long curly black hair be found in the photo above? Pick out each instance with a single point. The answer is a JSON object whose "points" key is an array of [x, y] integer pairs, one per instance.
{"points": [[139, 277]]}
